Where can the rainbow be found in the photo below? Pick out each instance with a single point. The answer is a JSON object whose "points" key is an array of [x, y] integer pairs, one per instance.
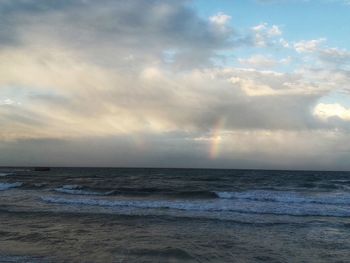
{"points": [[216, 139]]}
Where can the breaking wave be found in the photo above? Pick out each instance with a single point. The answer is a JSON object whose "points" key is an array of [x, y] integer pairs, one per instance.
{"points": [[211, 206], [333, 198], [136, 192], [79, 190], [2, 174], [341, 198], [6, 186]]}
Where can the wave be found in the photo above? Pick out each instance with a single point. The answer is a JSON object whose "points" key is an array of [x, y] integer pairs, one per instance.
{"points": [[340, 198], [340, 181], [2, 174], [79, 190], [14, 259], [214, 206], [6, 186], [331, 198], [196, 194], [39, 185], [136, 192], [180, 205], [191, 194], [142, 191], [176, 253]]}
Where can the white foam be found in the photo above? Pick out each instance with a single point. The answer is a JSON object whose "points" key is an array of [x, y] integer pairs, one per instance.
{"points": [[20, 259], [2, 174], [340, 181], [341, 198], [6, 186], [213, 206], [183, 205], [71, 186], [77, 190]]}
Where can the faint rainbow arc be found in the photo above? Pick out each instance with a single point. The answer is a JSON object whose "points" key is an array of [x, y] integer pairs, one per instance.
{"points": [[216, 139]]}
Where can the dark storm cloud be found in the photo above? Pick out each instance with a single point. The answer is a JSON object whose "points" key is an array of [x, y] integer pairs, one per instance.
{"points": [[140, 28]]}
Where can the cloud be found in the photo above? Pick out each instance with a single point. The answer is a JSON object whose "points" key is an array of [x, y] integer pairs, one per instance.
{"points": [[305, 46], [335, 56], [327, 111], [284, 43], [135, 82], [239, 149], [323, 55], [258, 61], [64, 95], [107, 30], [220, 19], [264, 35], [263, 62], [7, 101]]}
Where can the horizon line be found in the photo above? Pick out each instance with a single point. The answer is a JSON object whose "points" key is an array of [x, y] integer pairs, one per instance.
{"points": [[174, 168]]}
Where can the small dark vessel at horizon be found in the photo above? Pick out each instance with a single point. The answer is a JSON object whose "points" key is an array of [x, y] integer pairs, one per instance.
{"points": [[42, 169]]}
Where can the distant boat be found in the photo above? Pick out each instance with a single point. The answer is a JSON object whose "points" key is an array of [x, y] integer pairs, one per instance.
{"points": [[42, 169]]}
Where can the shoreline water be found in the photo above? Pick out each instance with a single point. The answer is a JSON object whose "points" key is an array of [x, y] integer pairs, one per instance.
{"points": [[157, 215]]}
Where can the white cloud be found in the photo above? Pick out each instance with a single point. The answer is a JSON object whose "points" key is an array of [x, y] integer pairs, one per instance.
{"points": [[274, 31], [263, 62], [221, 23], [326, 111], [7, 101], [220, 19], [335, 56], [322, 55], [284, 43], [260, 27], [258, 61], [68, 96], [265, 35], [308, 45]]}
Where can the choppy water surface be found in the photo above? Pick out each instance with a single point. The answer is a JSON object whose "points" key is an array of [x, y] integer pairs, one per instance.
{"points": [[173, 215]]}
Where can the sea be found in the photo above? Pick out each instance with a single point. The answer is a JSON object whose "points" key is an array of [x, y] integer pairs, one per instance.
{"points": [[173, 215]]}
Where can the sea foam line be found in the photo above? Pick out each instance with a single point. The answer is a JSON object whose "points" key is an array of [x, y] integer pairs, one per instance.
{"points": [[78, 190], [2, 174], [6, 186], [340, 198], [218, 206]]}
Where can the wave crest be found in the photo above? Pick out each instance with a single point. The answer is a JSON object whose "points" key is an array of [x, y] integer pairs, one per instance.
{"points": [[3, 174], [6, 186], [217, 206], [79, 190], [340, 198]]}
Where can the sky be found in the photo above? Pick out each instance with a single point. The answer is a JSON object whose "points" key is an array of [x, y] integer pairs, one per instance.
{"points": [[262, 84]]}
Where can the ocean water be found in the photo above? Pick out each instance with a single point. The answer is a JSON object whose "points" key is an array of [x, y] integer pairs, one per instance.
{"points": [[173, 215]]}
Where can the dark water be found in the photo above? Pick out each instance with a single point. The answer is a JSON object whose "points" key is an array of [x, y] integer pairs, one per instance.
{"points": [[174, 215]]}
